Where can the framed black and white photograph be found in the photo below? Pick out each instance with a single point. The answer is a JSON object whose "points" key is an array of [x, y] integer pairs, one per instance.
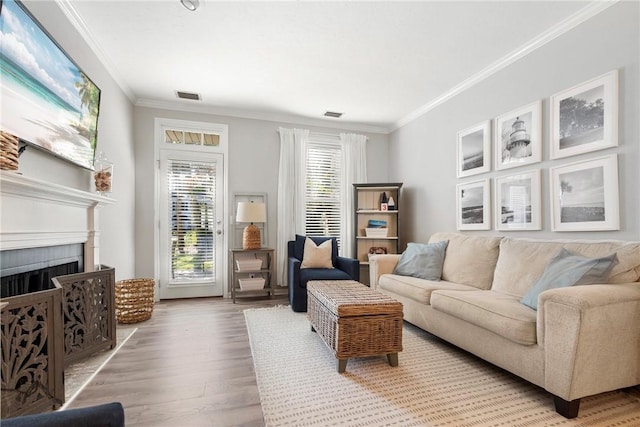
{"points": [[518, 139], [585, 117], [473, 205], [518, 202], [584, 195], [474, 150]]}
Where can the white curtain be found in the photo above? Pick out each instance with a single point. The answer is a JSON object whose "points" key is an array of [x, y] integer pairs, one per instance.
{"points": [[293, 143], [354, 156]]}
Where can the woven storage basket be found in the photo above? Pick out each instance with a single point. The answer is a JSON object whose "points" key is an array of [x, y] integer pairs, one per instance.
{"points": [[8, 151], [134, 300]]}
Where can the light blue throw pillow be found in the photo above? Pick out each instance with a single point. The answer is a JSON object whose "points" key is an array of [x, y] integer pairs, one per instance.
{"points": [[422, 260], [567, 269]]}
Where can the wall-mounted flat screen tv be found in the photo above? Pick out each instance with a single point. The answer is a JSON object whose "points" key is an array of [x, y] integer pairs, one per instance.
{"points": [[47, 101]]}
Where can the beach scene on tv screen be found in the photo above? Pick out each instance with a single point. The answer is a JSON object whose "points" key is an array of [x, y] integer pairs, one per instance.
{"points": [[46, 100]]}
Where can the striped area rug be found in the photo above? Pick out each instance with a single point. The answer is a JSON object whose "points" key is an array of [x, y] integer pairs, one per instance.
{"points": [[435, 384]]}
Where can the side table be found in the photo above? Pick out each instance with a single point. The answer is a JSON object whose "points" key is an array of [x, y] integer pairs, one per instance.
{"points": [[238, 272]]}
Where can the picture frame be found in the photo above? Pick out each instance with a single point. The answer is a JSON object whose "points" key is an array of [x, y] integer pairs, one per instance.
{"points": [[584, 118], [584, 195], [473, 150], [473, 205], [518, 137], [48, 101], [517, 200]]}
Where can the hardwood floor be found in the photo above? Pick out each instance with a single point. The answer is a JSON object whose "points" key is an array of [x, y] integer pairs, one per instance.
{"points": [[189, 365]]}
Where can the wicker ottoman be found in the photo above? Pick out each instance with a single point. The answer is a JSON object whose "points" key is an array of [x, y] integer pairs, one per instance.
{"points": [[354, 320]]}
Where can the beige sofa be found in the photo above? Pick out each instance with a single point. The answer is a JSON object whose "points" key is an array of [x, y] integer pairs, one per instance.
{"points": [[582, 340]]}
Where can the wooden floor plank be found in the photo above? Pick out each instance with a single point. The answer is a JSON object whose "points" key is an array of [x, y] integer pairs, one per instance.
{"points": [[189, 365]]}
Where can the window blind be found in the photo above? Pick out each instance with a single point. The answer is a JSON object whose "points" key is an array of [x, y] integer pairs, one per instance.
{"points": [[322, 196], [192, 210]]}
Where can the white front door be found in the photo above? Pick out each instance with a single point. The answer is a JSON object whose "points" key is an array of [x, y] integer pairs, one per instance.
{"points": [[191, 216]]}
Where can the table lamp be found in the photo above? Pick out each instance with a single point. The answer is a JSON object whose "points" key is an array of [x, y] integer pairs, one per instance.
{"points": [[251, 212]]}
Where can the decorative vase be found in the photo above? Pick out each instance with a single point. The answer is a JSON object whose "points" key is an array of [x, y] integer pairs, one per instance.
{"points": [[103, 175]]}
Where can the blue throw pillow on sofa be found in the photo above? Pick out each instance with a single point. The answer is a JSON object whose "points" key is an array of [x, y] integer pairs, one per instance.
{"points": [[567, 269], [422, 260]]}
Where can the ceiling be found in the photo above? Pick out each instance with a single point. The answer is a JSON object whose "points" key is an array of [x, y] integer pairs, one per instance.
{"points": [[380, 63]]}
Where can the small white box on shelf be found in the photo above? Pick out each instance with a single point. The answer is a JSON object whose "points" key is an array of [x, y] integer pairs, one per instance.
{"points": [[249, 264], [251, 284], [376, 232]]}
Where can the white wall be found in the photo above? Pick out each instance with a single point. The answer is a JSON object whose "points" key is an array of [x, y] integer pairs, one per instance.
{"points": [[423, 152], [420, 154], [127, 227], [254, 152], [114, 138]]}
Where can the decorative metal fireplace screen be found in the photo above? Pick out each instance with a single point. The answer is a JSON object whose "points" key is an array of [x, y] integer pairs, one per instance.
{"points": [[32, 353], [42, 332], [88, 307]]}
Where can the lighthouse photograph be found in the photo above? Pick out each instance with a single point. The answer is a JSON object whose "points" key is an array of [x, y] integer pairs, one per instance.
{"points": [[518, 137], [516, 140]]}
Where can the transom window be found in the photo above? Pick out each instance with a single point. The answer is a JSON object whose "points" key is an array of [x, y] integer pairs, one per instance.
{"points": [[172, 136]]}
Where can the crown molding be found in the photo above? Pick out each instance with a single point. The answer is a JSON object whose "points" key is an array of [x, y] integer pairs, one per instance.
{"points": [[79, 24], [258, 115], [542, 39]]}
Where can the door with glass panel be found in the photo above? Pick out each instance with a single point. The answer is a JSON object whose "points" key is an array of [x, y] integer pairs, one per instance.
{"points": [[191, 224]]}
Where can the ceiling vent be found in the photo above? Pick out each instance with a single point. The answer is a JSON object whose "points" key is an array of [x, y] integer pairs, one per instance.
{"points": [[188, 95], [333, 114]]}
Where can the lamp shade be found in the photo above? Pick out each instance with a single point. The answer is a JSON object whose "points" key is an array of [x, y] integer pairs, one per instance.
{"points": [[251, 212]]}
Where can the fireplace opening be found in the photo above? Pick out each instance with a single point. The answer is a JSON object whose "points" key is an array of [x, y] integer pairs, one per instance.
{"points": [[24, 271], [35, 280]]}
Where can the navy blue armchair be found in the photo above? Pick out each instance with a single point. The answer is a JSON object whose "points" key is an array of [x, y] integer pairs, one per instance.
{"points": [[297, 278], [105, 415]]}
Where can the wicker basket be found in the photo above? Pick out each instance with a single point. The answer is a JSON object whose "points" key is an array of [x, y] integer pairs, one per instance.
{"points": [[8, 151], [134, 300]]}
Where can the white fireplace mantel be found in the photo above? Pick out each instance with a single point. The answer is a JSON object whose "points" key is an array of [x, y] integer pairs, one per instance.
{"points": [[36, 213]]}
